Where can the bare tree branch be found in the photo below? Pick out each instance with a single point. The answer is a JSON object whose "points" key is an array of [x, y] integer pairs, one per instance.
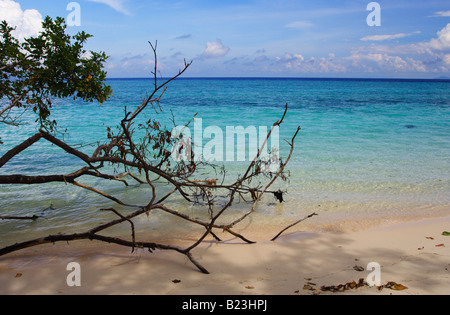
{"points": [[149, 156]]}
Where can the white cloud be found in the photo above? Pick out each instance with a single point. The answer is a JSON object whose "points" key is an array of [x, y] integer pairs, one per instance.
{"points": [[388, 37], [117, 5], [430, 56], [299, 64], [215, 49], [299, 57], [28, 23], [446, 59], [441, 14], [299, 24], [357, 62], [443, 40], [374, 62], [435, 46], [133, 65]]}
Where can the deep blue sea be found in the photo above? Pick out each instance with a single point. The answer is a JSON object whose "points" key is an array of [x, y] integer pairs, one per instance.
{"points": [[367, 148]]}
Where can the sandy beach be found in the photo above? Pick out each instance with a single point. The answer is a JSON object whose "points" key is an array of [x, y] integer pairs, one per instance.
{"points": [[204, 128], [413, 254]]}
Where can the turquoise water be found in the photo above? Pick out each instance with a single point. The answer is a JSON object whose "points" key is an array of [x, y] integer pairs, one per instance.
{"points": [[366, 147]]}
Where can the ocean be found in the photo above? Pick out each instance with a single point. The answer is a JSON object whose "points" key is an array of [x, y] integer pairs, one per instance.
{"points": [[377, 149]]}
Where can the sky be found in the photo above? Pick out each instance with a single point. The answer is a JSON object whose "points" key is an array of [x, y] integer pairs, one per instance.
{"points": [[255, 38]]}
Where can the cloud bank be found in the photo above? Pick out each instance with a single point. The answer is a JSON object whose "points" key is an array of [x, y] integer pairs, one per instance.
{"points": [[432, 56], [27, 23]]}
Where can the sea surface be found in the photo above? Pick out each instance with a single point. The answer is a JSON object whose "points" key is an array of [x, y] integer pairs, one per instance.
{"points": [[375, 149]]}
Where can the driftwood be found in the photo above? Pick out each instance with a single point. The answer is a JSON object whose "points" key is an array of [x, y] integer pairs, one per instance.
{"points": [[150, 158]]}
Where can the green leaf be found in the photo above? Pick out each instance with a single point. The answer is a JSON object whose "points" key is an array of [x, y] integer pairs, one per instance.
{"points": [[445, 233], [51, 65]]}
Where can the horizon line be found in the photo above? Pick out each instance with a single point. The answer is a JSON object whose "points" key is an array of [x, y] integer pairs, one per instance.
{"points": [[443, 78]]}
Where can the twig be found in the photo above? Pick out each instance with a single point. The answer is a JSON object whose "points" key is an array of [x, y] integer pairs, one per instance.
{"points": [[101, 193], [133, 235], [292, 225], [33, 218]]}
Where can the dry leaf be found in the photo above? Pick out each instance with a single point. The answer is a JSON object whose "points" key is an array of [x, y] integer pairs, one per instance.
{"points": [[421, 248], [308, 287], [395, 286], [429, 238], [176, 281], [440, 245], [398, 287], [249, 287], [358, 268], [18, 275], [352, 285]]}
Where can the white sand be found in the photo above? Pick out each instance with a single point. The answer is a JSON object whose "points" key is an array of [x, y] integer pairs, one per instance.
{"points": [[280, 267]]}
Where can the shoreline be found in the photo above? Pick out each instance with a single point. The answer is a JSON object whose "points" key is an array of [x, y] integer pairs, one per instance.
{"points": [[404, 251]]}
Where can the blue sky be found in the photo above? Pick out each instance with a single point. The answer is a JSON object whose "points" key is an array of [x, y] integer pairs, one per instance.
{"points": [[262, 38]]}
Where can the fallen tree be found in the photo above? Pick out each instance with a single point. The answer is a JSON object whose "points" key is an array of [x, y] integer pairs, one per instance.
{"points": [[147, 159]]}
